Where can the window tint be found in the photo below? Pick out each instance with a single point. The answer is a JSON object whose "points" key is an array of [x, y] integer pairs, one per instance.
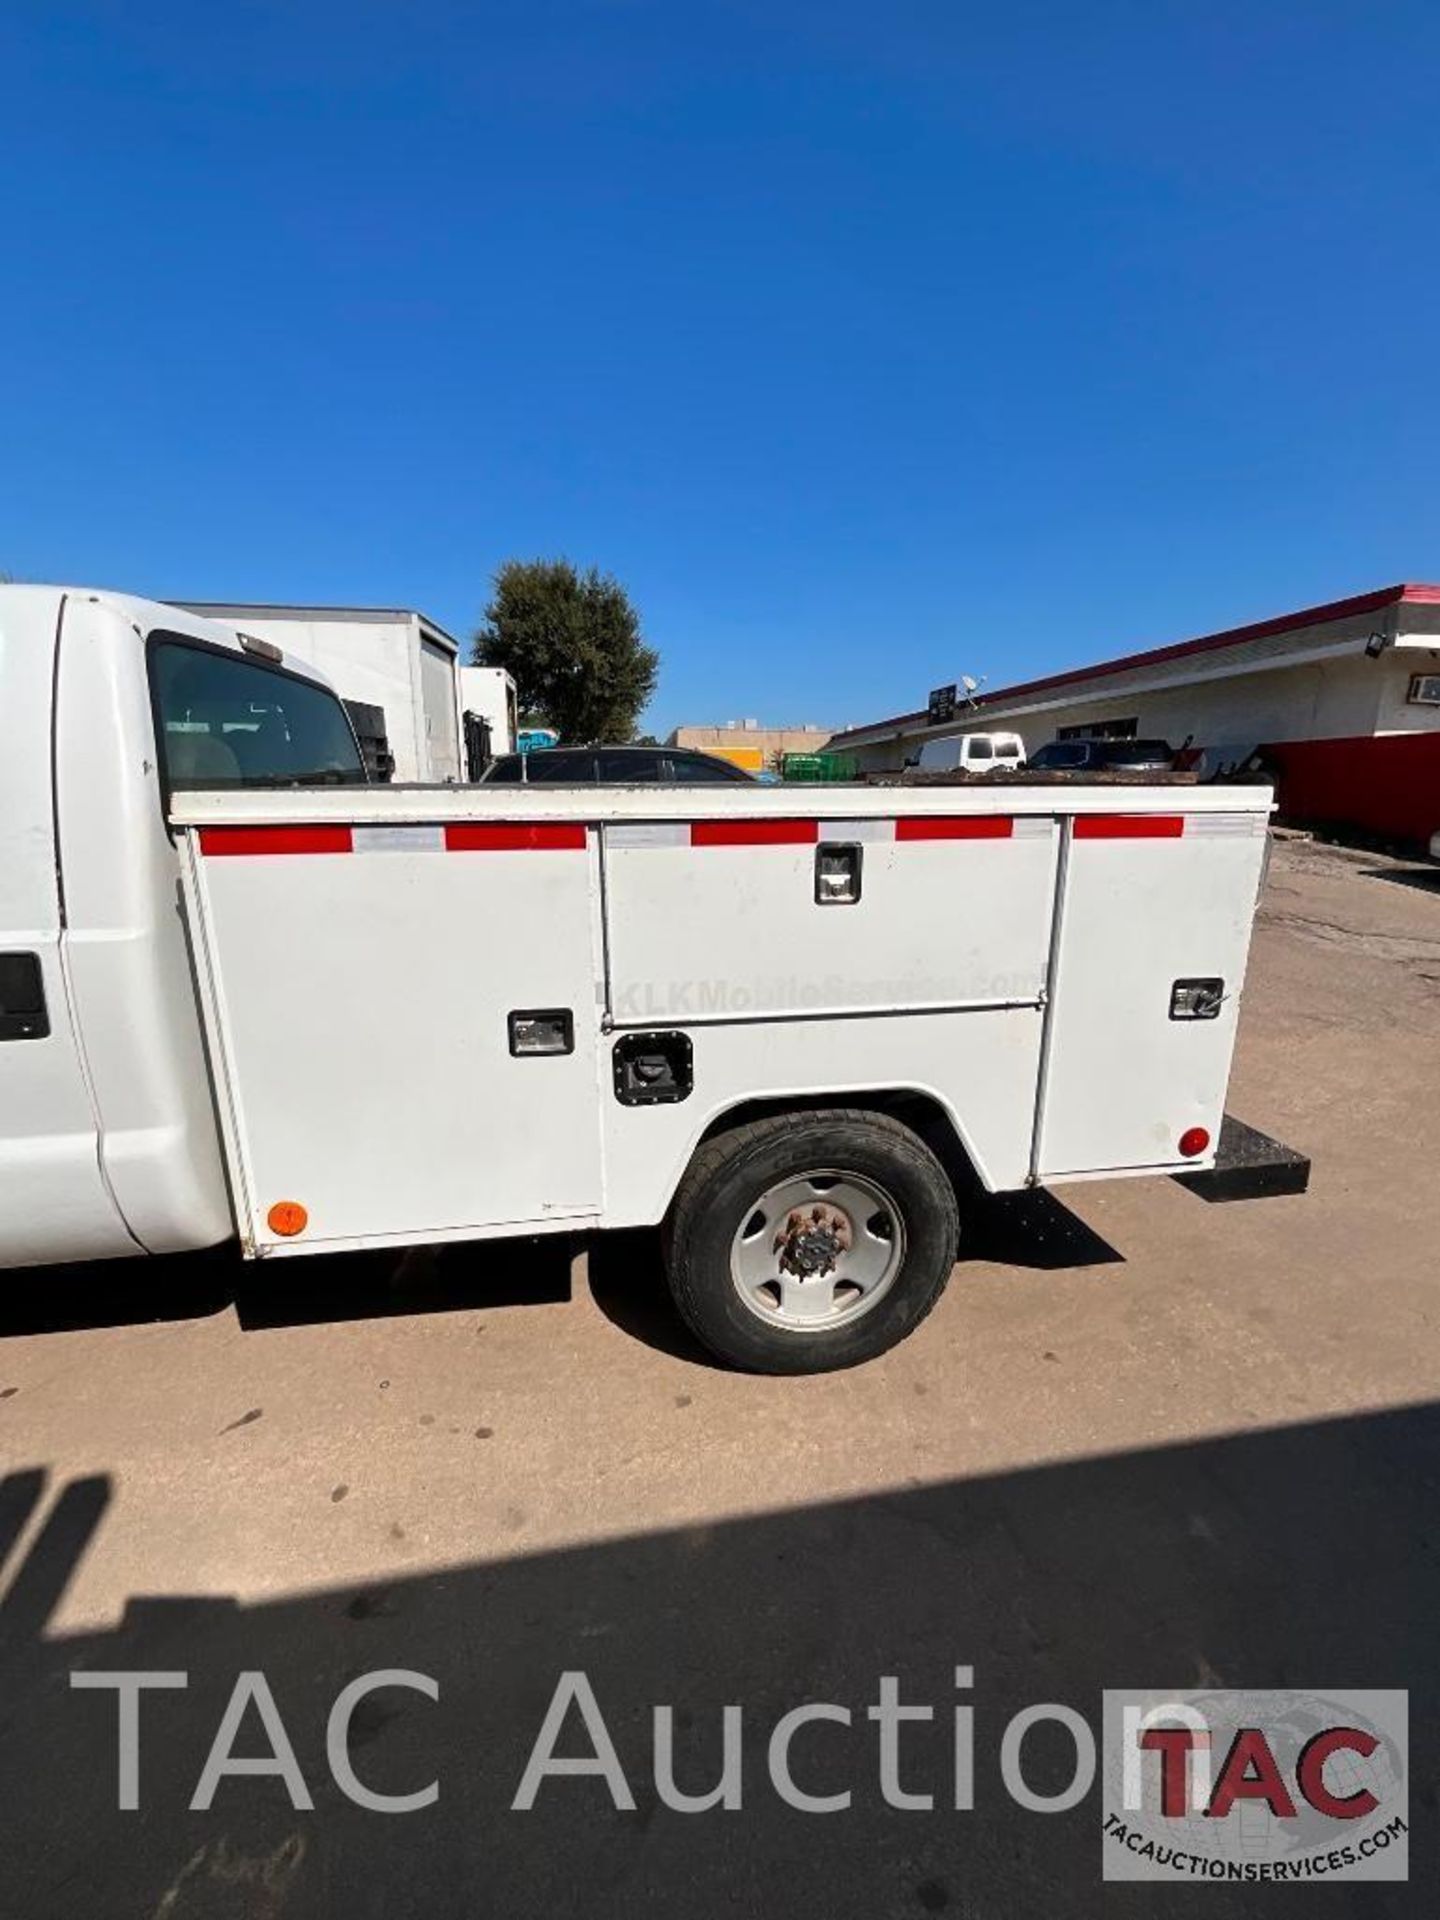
{"points": [[1134, 753], [978, 749], [1062, 754], [1008, 750], [554, 766], [505, 767], [627, 768], [939, 753], [224, 721]]}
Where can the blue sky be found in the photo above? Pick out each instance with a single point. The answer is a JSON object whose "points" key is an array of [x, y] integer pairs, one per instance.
{"points": [[868, 345]]}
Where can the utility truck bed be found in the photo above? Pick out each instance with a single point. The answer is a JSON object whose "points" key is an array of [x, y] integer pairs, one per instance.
{"points": [[1009, 954]]}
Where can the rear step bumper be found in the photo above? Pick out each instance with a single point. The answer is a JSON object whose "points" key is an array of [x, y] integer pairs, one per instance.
{"points": [[1249, 1165]]}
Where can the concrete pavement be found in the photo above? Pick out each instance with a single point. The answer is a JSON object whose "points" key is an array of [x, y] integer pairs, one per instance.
{"points": [[1142, 1440]]}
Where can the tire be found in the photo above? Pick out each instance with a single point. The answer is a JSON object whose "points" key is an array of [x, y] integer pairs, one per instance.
{"points": [[856, 1217]]}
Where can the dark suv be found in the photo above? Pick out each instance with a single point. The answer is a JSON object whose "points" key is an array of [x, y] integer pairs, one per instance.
{"points": [[614, 767], [1104, 756]]}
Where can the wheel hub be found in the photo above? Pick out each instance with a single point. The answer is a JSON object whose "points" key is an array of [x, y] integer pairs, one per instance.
{"points": [[817, 1249], [813, 1239]]}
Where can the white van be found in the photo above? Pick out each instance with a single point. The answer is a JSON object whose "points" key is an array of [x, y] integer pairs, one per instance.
{"points": [[972, 753]]}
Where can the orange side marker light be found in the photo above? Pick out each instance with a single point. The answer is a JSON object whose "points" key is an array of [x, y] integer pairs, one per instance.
{"points": [[287, 1218]]}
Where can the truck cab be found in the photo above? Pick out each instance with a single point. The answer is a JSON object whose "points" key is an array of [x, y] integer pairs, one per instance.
{"points": [[108, 1140]]}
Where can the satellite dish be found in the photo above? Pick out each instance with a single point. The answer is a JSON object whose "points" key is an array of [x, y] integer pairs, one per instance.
{"points": [[969, 685]]}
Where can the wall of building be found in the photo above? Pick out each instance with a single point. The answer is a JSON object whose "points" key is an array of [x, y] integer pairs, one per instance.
{"points": [[1396, 713], [1335, 723], [1230, 717], [1340, 698], [760, 746], [1348, 746]]}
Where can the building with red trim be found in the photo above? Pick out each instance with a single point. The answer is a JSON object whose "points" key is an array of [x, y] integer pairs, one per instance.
{"points": [[1342, 701]]}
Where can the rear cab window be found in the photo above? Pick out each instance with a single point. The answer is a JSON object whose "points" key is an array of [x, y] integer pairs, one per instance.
{"points": [[633, 769], [696, 770], [559, 767], [224, 720]]}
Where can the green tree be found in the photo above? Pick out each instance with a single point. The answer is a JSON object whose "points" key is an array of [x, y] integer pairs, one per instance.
{"points": [[572, 642]]}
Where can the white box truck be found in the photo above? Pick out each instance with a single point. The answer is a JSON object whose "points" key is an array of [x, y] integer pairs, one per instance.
{"points": [[386, 657], [796, 1029], [487, 695]]}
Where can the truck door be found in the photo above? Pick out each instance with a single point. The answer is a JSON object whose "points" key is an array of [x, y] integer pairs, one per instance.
{"points": [[54, 1204], [1149, 959], [405, 1019]]}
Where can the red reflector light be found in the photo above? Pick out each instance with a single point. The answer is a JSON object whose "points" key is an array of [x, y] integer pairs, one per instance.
{"points": [[1129, 826], [965, 826], [1193, 1142], [265, 840], [505, 836], [754, 833]]}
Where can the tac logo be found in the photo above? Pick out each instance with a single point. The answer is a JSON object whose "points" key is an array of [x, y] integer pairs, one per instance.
{"points": [[1229, 1784]]}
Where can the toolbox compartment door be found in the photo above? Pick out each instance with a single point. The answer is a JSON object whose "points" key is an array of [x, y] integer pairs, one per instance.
{"points": [[724, 920], [1146, 902], [364, 989]]}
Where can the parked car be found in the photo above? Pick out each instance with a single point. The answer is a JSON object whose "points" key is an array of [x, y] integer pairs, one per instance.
{"points": [[972, 753], [1104, 756], [614, 767]]}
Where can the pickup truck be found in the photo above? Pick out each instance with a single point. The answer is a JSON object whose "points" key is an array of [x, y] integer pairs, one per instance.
{"points": [[244, 994]]}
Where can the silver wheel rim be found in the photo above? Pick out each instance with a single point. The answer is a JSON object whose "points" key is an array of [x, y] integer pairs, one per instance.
{"points": [[817, 1250]]}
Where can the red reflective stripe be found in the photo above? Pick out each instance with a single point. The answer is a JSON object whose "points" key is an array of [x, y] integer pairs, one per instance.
{"points": [[215, 840], [510, 836], [754, 833], [955, 826], [1129, 826]]}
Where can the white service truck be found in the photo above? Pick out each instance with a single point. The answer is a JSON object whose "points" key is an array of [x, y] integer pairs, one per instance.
{"points": [[799, 1030]]}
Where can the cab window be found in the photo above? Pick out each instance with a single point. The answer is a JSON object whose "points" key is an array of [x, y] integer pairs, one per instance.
{"points": [[701, 770], [225, 721]]}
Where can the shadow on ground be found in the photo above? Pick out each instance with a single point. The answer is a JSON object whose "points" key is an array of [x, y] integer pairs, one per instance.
{"points": [[1304, 1557], [627, 1278], [1423, 879], [291, 1292]]}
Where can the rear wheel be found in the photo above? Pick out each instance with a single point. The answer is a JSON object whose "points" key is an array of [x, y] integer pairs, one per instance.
{"points": [[807, 1242]]}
